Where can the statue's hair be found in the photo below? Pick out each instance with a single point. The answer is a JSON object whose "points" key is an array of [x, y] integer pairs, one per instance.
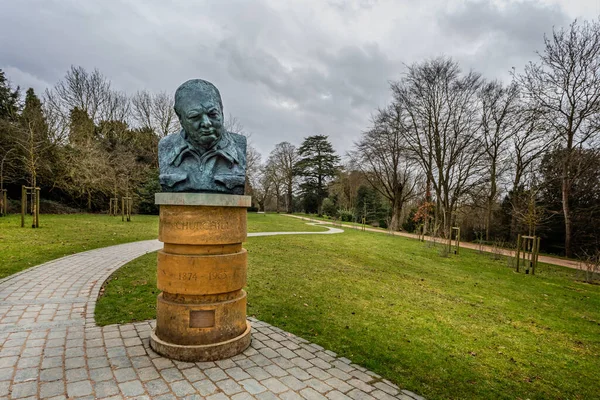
{"points": [[194, 86]]}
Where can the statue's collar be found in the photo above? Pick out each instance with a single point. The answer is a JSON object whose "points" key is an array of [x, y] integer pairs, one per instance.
{"points": [[225, 147]]}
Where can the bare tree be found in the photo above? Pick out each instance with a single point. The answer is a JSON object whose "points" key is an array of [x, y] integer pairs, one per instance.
{"points": [[261, 186], [499, 106], [253, 165], [155, 112], [565, 85], [141, 108], [276, 181], [88, 91], [283, 160], [528, 143], [382, 156], [232, 124], [116, 108], [441, 132]]}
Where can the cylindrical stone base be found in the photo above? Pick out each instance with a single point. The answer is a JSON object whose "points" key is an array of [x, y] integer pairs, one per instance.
{"points": [[201, 312]]}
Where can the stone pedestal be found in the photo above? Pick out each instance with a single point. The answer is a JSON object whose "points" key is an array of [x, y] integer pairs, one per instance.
{"points": [[201, 312]]}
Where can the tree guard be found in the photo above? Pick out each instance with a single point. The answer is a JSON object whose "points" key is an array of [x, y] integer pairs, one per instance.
{"points": [[527, 253], [34, 193]]}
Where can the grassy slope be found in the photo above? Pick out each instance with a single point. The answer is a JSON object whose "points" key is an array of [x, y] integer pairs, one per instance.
{"points": [[459, 327]]}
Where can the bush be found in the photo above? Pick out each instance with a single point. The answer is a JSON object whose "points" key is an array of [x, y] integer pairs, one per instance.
{"points": [[329, 208], [252, 209], [346, 215]]}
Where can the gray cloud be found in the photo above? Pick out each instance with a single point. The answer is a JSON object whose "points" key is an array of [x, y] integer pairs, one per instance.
{"points": [[286, 70]]}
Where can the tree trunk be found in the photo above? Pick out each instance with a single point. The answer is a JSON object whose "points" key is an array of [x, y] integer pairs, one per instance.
{"points": [[396, 215], [289, 199], [566, 210]]}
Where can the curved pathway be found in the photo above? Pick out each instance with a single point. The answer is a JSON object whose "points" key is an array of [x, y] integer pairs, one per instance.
{"points": [[51, 348], [563, 262]]}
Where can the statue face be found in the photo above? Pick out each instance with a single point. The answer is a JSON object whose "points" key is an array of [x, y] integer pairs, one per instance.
{"points": [[202, 119]]}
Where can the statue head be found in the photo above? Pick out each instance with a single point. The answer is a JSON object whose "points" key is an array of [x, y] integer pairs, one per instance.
{"points": [[200, 110]]}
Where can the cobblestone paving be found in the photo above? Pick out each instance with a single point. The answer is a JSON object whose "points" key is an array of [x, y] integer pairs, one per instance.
{"points": [[50, 348]]}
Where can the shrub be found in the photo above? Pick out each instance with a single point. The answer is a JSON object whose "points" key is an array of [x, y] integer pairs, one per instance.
{"points": [[345, 215]]}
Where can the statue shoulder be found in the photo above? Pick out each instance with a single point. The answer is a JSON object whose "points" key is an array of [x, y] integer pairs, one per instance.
{"points": [[240, 141], [171, 140], [169, 147]]}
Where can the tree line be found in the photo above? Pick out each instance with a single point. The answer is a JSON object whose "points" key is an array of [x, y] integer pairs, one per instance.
{"points": [[450, 149], [455, 149]]}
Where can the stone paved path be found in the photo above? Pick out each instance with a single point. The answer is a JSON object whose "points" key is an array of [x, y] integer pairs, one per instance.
{"points": [[50, 347]]}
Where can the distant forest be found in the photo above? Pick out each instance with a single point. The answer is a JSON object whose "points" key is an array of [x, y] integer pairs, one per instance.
{"points": [[452, 148]]}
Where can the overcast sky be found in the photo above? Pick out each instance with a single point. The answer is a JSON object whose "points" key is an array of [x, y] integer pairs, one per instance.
{"points": [[285, 69]]}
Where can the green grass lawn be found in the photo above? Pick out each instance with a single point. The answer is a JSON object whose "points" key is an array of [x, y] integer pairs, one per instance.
{"points": [[279, 223], [61, 235], [459, 327]]}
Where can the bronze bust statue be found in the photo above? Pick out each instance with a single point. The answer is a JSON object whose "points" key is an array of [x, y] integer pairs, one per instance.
{"points": [[203, 156]]}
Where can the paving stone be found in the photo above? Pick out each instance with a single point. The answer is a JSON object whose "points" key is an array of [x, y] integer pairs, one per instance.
{"points": [[252, 386], [147, 374], [275, 370], [215, 374], [318, 385], [381, 395], [51, 374], [182, 388], [242, 396], [205, 387], [339, 385], [52, 389], [193, 374], [258, 373], [292, 382], [218, 396], [360, 385], [318, 373], [76, 362], [229, 386], [75, 375], [171, 374], [101, 374], [274, 385], [4, 386], [362, 376], [338, 373], [131, 388], [312, 394], [386, 388], [358, 394], [78, 389], [106, 388], [267, 396], [20, 390], [156, 387], [413, 395], [336, 395], [26, 374], [237, 373]]}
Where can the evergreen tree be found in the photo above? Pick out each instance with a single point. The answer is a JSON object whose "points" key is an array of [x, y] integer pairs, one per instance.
{"points": [[33, 140], [9, 100], [318, 163], [81, 127]]}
